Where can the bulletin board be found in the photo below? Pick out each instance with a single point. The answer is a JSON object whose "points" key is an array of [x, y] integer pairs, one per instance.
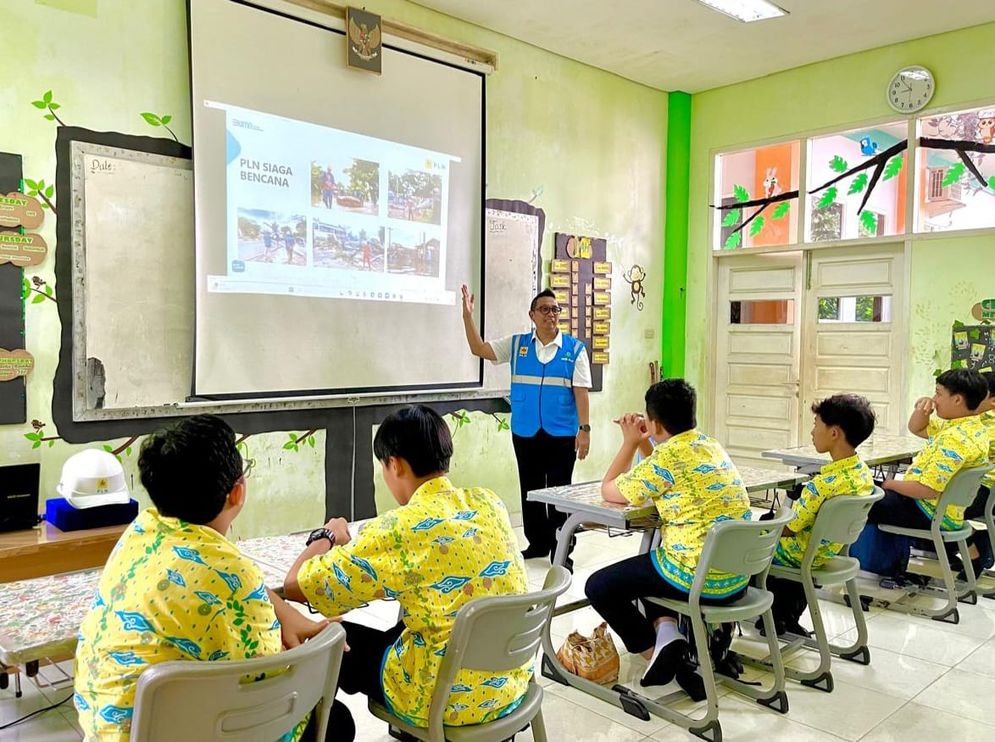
{"points": [[973, 346]]}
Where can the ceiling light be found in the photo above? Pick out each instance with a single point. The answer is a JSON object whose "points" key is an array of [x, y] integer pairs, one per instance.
{"points": [[747, 11]]}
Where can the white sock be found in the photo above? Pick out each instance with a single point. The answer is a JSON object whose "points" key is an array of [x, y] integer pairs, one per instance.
{"points": [[666, 633]]}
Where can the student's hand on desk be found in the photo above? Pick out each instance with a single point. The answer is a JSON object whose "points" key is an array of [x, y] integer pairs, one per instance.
{"points": [[340, 527]]}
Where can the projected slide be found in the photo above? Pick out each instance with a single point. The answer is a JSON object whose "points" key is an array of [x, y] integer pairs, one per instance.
{"points": [[314, 211]]}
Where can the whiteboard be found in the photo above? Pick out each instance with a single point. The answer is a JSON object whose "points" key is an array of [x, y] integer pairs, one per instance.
{"points": [[133, 291]]}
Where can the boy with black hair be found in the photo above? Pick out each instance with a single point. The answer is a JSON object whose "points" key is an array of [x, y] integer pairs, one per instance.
{"points": [[842, 422], [168, 588], [922, 424], [694, 485], [961, 443], [441, 548]]}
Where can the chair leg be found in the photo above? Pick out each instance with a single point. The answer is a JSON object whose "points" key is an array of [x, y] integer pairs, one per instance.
{"points": [[778, 699], [820, 678], [707, 672], [538, 727], [950, 613], [858, 651], [970, 595]]}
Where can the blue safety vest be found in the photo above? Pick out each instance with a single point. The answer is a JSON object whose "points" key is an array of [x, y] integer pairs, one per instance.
{"points": [[542, 393]]}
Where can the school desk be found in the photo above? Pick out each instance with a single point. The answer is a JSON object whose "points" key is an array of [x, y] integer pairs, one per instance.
{"points": [[879, 451], [40, 617], [583, 504], [45, 550]]}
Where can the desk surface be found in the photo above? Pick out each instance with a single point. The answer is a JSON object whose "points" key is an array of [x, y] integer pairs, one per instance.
{"points": [[46, 550], [881, 448], [586, 497], [40, 617]]}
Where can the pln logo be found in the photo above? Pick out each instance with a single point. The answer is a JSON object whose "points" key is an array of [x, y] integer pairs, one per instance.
{"points": [[238, 266]]}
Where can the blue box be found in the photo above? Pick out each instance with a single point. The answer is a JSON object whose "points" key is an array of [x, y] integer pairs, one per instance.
{"points": [[65, 517]]}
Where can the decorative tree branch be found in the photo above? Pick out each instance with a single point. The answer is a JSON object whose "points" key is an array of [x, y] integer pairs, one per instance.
{"points": [[124, 446], [874, 181], [305, 436], [786, 196], [753, 216], [47, 103], [961, 147], [43, 295], [879, 160], [42, 191], [242, 438]]}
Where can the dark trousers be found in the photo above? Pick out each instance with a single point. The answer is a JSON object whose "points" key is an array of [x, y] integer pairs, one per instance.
{"points": [[980, 539], [614, 590], [341, 727], [789, 602], [361, 664], [898, 510], [543, 461]]}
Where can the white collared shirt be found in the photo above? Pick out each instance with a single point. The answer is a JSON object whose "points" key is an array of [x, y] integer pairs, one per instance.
{"points": [[545, 354]]}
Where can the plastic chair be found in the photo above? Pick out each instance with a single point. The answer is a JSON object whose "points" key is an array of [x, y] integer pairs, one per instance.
{"points": [[960, 492], [742, 548], [989, 522], [840, 521], [494, 634], [207, 701]]}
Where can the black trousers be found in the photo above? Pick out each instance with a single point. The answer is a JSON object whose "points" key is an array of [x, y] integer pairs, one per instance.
{"points": [[543, 461], [614, 590], [361, 664]]}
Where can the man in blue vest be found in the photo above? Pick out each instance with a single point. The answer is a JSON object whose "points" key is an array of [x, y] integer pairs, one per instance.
{"points": [[550, 427]]}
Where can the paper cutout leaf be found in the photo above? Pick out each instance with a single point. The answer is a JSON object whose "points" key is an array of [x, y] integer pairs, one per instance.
{"points": [[782, 210], [858, 185], [734, 240], [757, 226], [954, 174], [838, 164], [740, 193], [731, 219], [894, 167], [869, 220], [828, 198]]}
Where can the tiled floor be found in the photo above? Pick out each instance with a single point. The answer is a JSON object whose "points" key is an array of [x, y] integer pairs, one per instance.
{"points": [[927, 680]]}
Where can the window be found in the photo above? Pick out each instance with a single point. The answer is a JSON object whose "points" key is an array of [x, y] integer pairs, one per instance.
{"points": [[757, 194], [763, 312], [854, 309], [956, 165], [857, 183]]}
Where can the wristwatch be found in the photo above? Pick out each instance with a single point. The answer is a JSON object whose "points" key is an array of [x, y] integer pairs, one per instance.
{"points": [[321, 533], [585, 428]]}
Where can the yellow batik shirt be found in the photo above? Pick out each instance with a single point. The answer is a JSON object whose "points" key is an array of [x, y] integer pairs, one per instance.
{"points": [[694, 485], [849, 476], [445, 547], [953, 445], [988, 420], [170, 591]]}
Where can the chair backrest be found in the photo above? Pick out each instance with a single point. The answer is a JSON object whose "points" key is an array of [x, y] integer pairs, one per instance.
{"points": [[841, 519], [961, 489], [201, 701], [495, 634], [739, 547]]}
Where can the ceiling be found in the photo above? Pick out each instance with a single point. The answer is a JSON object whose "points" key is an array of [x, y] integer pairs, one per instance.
{"points": [[682, 45]]}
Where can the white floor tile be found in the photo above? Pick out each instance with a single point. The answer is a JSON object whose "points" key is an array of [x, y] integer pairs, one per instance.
{"points": [[893, 674], [981, 660], [924, 640], [568, 721], [916, 722], [961, 693], [743, 720], [49, 726], [848, 712]]}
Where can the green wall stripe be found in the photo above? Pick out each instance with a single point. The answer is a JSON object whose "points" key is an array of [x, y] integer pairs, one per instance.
{"points": [[675, 259]]}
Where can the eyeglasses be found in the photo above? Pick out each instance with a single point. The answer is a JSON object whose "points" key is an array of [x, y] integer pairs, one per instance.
{"points": [[249, 464], [549, 310]]}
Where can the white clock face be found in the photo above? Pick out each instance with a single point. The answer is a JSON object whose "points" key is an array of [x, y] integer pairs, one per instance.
{"points": [[911, 89]]}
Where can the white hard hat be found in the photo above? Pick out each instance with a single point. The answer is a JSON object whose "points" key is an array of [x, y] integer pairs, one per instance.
{"points": [[91, 478]]}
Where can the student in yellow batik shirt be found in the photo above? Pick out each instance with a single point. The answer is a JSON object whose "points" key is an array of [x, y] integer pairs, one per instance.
{"points": [[175, 588], [443, 547], [694, 485], [923, 425], [842, 423], [961, 442]]}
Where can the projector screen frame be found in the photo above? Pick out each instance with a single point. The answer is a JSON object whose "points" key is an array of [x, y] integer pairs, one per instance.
{"points": [[331, 18]]}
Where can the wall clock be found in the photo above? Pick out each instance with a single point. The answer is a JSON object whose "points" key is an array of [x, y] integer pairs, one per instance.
{"points": [[911, 89]]}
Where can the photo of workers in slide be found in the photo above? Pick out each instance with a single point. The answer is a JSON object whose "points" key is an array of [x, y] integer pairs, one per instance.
{"points": [[346, 184], [412, 253], [347, 247], [270, 237], [415, 196]]}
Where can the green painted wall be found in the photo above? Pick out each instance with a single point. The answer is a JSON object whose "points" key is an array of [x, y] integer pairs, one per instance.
{"points": [[590, 142], [947, 275]]}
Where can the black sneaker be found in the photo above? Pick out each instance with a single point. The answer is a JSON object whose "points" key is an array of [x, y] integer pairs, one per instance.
{"points": [[671, 657]]}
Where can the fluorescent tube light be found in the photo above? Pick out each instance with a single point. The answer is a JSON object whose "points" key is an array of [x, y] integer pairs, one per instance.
{"points": [[746, 11]]}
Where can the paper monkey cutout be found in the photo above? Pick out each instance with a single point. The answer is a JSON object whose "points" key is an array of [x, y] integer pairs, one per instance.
{"points": [[635, 277]]}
